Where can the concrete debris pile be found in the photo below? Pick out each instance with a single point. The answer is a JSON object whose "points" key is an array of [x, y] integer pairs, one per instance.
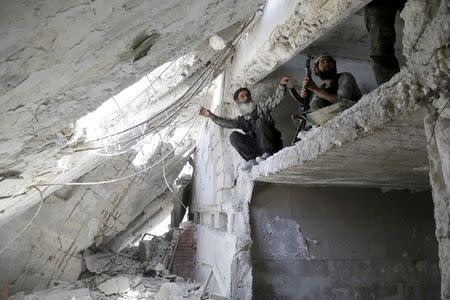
{"points": [[123, 287], [123, 276], [157, 254]]}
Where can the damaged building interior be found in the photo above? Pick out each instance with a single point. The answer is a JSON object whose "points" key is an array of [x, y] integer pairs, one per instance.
{"points": [[114, 184]]}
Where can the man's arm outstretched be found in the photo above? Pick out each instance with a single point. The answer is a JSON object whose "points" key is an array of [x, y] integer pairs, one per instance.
{"points": [[274, 100], [221, 121]]}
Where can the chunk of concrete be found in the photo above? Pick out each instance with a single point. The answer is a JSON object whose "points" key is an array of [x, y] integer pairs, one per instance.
{"points": [[169, 291], [98, 263], [217, 43], [58, 294], [116, 285]]}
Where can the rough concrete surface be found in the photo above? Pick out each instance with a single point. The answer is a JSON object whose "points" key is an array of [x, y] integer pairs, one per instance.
{"points": [[72, 221], [60, 61], [123, 278], [117, 285], [384, 128], [381, 154], [300, 24], [437, 128], [361, 243]]}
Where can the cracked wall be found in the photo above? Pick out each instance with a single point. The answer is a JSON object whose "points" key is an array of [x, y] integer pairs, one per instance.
{"points": [[60, 61], [438, 132], [423, 80], [103, 44], [343, 243], [297, 25], [75, 218], [426, 40]]}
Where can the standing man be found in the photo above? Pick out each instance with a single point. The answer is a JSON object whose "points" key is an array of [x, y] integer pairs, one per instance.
{"points": [[335, 87], [260, 138], [379, 16]]}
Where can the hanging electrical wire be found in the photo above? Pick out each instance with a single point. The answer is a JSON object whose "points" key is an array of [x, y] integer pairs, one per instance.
{"points": [[163, 164], [157, 78], [172, 115], [214, 61], [128, 176], [47, 185], [230, 46]]}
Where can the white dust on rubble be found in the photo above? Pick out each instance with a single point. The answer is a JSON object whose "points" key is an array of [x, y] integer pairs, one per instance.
{"points": [[118, 276]]}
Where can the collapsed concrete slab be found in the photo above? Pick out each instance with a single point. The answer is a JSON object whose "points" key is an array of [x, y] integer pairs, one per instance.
{"points": [[62, 61], [72, 221], [98, 262], [117, 285], [122, 278], [380, 142], [382, 138], [283, 31], [383, 133]]}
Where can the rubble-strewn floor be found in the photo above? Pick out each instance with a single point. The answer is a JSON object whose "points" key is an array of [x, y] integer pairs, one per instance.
{"points": [[119, 276]]}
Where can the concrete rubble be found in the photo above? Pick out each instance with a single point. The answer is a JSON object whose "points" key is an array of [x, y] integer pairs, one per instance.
{"points": [[48, 114], [128, 274], [116, 285], [62, 66], [376, 134]]}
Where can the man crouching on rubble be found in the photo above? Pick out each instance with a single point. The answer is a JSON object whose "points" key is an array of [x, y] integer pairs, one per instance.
{"points": [[260, 138], [335, 87]]}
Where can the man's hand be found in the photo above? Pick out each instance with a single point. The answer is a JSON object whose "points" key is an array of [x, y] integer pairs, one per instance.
{"points": [[205, 112], [309, 84], [285, 80], [303, 93]]}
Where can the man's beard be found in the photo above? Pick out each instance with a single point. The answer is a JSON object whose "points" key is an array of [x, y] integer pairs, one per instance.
{"points": [[327, 74], [246, 107]]}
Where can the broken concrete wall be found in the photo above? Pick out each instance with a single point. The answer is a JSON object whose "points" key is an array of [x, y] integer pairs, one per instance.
{"points": [[437, 126], [221, 193], [426, 39], [118, 212], [74, 218], [76, 150], [62, 60], [424, 77], [285, 29], [295, 68], [214, 212], [343, 243], [118, 276]]}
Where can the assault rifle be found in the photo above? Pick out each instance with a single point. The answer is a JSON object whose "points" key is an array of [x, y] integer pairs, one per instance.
{"points": [[304, 102]]}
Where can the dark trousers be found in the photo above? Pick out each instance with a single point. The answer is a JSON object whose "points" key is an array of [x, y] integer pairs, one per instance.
{"points": [[379, 16], [264, 138]]}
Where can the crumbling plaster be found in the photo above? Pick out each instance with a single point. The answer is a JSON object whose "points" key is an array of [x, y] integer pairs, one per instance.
{"points": [[295, 67], [60, 61], [438, 134], [277, 38], [75, 218], [403, 100], [343, 243], [38, 87]]}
